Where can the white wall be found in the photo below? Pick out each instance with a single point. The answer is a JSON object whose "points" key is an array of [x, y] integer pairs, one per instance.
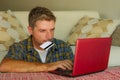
{"points": [[106, 8]]}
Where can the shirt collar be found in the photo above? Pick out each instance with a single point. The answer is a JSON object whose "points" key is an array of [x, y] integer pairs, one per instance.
{"points": [[30, 46]]}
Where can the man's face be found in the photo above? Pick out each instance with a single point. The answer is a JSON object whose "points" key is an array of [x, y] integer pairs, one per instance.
{"points": [[42, 32]]}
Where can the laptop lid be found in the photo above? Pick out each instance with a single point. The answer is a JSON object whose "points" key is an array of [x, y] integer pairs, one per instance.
{"points": [[91, 55]]}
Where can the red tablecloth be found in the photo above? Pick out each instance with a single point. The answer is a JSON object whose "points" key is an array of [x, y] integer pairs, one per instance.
{"points": [[109, 74]]}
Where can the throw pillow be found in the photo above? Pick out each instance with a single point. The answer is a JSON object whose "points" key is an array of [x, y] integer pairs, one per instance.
{"points": [[10, 30], [89, 27]]}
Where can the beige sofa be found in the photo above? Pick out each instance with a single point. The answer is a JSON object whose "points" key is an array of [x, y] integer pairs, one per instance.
{"points": [[66, 20]]}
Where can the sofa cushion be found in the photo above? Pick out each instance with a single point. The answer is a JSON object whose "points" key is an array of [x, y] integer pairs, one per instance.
{"points": [[89, 27], [10, 30]]}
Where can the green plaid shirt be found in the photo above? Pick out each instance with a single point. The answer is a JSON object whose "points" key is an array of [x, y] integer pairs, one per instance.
{"points": [[24, 50]]}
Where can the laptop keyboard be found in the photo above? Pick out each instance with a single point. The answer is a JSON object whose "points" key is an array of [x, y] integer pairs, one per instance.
{"points": [[64, 72]]}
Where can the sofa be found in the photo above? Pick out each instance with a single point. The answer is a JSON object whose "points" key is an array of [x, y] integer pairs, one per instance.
{"points": [[66, 21]]}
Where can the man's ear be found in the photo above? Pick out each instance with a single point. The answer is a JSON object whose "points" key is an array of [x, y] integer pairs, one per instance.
{"points": [[30, 29]]}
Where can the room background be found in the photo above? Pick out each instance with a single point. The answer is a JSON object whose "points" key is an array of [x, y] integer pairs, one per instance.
{"points": [[106, 8]]}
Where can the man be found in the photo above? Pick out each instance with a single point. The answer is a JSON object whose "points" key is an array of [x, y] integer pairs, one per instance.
{"points": [[28, 56]]}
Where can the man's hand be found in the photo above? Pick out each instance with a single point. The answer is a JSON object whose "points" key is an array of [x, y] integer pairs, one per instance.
{"points": [[64, 64]]}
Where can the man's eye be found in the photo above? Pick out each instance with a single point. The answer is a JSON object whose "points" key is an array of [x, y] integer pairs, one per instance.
{"points": [[42, 30], [52, 29]]}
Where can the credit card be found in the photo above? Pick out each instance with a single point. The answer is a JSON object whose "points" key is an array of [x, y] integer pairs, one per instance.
{"points": [[47, 45]]}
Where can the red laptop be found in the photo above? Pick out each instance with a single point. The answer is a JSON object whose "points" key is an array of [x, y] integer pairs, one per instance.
{"points": [[91, 55]]}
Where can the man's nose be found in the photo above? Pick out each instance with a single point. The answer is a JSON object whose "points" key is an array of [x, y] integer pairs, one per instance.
{"points": [[49, 35]]}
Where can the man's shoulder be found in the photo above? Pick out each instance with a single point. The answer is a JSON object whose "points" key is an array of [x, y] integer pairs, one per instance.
{"points": [[60, 42], [21, 43]]}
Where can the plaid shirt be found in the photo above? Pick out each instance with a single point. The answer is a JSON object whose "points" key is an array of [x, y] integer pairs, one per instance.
{"points": [[24, 50]]}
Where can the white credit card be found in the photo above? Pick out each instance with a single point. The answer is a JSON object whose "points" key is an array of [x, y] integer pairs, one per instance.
{"points": [[47, 45]]}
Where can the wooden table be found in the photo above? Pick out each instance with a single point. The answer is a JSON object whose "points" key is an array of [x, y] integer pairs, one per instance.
{"points": [[112, 73]]}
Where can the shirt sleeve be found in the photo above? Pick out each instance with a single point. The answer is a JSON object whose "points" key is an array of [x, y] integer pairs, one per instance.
{"points": [[69, 53], [15, 52]]}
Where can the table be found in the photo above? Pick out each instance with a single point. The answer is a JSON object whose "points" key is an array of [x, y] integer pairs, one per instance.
{"points": [[112, 73]]}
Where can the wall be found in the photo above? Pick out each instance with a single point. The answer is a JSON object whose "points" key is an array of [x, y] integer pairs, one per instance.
{"points": [[106, 8]]}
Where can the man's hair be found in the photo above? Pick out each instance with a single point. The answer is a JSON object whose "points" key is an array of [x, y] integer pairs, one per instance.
{"points": [[40, 13]]}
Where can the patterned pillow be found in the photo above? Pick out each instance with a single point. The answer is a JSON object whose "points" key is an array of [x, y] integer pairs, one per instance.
{"points": [[89, 27], [10, 30]]}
